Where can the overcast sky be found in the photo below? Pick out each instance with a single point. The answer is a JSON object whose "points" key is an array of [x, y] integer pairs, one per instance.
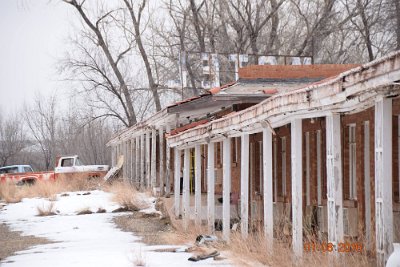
{"points": [[32, 33]]}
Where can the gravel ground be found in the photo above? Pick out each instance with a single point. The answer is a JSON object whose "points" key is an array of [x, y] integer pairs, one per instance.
{"points": [[13, 241]]}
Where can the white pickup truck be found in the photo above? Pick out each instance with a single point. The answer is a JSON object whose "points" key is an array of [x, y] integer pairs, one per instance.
{"points": [[72, 164], [67, 166]]}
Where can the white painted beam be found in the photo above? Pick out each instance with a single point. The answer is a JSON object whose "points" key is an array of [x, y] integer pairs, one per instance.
{"points": [[268, 194], [153, 158], [244, 186], [297, 190], [383, 180], [167, 164], [334, 179], [177, 182], [226, 194], [210, 187], [197, 185], [161, 168], [186, 192]]}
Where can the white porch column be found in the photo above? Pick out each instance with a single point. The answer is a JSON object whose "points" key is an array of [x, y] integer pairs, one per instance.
{"points": [[297, 191], [244, 186], [124, 169], [167, 164], [148, 134], [210, 187], [142, 161], [226, 194], [177, 183], [137, 152], [161, 170], [153, 158], [131, 151], [268, 196], [129, 155], [197, 185], [383, 180], [113, 161], [186, 192], [334, 178]]}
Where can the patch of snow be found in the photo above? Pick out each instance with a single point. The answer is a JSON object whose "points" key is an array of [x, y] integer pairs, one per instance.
{"points": [[85, 240]]}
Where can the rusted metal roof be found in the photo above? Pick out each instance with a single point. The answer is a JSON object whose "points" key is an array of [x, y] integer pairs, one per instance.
{"points": [[351, 91]]}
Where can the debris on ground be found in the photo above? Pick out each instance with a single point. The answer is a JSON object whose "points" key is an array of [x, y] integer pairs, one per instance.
{"points": [[201, 239]]}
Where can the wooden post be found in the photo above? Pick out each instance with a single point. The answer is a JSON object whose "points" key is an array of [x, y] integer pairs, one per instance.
{"points": [[161, 169], [177, 183], [268, 196], [137, 162], [186, 192], [197, 185], [124, 172], [319, 169], [383, 180], [334, 179], [113, 156], [167, 165], [153, 158], [367, 187], [129, 155], [244, 186], [226, 206], [210, 187], [131, 151], [142, 162], [297, 192], [148, 159]]}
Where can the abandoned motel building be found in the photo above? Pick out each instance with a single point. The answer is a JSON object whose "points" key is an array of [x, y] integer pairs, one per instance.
{"points": [[292, 149]]}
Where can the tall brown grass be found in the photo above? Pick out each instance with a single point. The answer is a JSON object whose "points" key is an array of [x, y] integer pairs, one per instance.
{"points": [[12, 193], [127, 196]]}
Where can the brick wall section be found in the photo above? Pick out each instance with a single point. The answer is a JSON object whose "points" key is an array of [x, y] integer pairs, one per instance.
{"points": [[293, 71]]}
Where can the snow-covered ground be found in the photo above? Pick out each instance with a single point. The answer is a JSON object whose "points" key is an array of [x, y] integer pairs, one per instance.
{"points": [[83, 240]]}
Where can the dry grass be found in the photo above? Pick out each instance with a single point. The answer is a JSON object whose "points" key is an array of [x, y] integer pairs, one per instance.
{"points": [[11, 193], [139, 258], [48, 210], [254, 250], [127, 196]]}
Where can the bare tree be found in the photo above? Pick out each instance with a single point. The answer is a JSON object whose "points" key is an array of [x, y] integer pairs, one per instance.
{"points": [[99, 30], [41, 119], [12, 138], [136, 19]]}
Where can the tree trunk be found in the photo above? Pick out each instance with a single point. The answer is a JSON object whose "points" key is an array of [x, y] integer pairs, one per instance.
{"points": [[131, 116], [138, 39]]}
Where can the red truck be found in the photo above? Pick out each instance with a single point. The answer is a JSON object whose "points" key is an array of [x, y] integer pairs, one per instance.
{"points": [[67, 166]]}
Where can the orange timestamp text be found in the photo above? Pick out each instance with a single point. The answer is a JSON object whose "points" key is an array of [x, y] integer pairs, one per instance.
{"points": [[345, 247]]}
